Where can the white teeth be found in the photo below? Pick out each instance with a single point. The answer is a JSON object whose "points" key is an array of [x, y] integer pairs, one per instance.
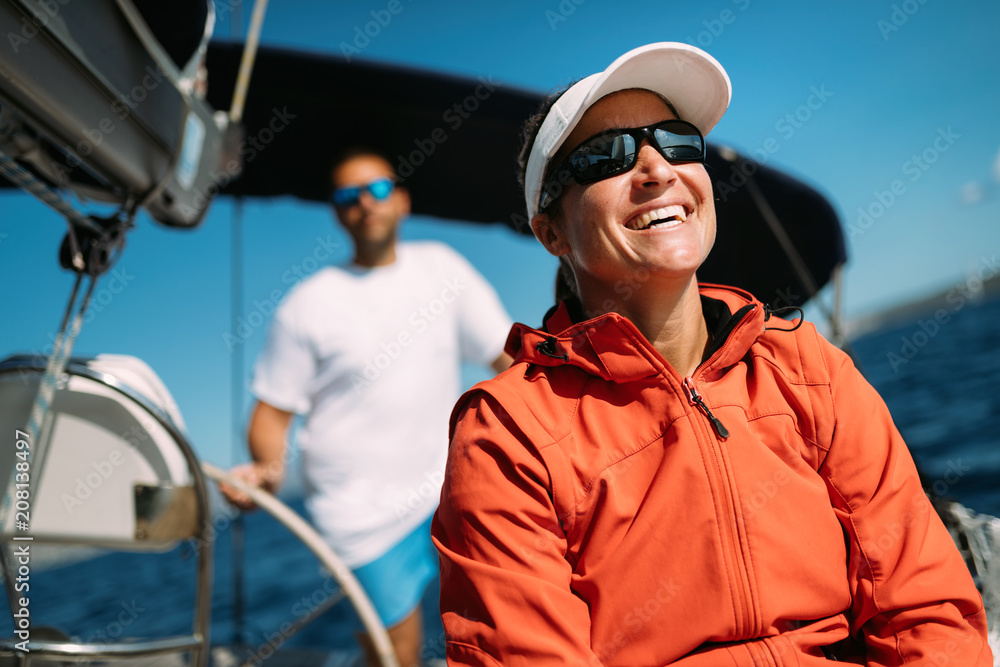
{"points": [[668, 215]]}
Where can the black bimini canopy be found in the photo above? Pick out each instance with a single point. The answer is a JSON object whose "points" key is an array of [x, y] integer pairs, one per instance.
{"points": [[455, 142]]}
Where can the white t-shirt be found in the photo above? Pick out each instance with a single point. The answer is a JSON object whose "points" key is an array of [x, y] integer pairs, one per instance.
{"points": [[372, 358]]}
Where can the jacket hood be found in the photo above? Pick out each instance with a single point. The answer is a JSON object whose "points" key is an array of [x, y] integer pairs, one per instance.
{"points": [[611, 347]]}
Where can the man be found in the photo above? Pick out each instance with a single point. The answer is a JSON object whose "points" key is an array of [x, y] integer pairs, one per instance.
{"points": [[369, 353]]}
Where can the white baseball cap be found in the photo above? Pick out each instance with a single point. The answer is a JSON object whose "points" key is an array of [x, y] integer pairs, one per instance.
{"points": [[693, 81]]}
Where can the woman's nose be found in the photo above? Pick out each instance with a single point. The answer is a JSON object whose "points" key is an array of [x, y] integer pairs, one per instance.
{"points": [[652, 168]]}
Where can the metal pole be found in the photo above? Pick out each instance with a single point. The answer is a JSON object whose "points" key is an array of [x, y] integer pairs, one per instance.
{"points": [[238, 536], [246, 64]]}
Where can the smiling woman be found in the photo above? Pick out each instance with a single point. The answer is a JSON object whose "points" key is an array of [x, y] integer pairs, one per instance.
{"points": [[666, 476]]}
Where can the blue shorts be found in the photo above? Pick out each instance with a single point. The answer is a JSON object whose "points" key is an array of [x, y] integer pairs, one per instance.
{"points": [[396, 581]]}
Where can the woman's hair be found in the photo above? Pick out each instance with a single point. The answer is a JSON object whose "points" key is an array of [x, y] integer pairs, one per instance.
{"points": [[528, 135], [565, 288]]}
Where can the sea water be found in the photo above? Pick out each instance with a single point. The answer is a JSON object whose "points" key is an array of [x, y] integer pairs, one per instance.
{"points": [[941, 383], [940, 377]]}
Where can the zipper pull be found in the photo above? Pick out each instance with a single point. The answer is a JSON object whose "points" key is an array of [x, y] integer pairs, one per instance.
{"points": [[695, 399]]}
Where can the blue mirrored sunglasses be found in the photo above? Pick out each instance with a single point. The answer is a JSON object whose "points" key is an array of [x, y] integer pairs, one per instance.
{"points": [[349, 196]]}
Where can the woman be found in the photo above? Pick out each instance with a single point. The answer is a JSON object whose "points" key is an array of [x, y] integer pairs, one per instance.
{"points": [[666, 475]]}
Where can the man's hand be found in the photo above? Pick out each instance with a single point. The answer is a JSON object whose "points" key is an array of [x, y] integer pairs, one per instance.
{"points": [[266, 436], [253, 474]]}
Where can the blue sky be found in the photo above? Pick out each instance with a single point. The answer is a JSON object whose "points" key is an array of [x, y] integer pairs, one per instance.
{"points": [[886, 107]]}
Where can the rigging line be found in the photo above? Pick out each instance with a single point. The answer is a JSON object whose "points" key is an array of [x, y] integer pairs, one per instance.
{"points": [[27, 181], [43, 397], [236, 403], [54, 368], [53, 372], [166, 65], [246, 62], [798, 264], [148, 40], [236, 116]]}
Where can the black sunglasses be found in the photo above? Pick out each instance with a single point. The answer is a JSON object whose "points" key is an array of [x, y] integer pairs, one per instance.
{"points": [[614, 151]]}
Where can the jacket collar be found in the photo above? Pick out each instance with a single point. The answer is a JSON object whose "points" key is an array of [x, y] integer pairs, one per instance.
{"points": [[611, 347]]}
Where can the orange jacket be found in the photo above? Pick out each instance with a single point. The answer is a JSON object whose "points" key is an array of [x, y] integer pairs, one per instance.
{"points": [[592, 514]]}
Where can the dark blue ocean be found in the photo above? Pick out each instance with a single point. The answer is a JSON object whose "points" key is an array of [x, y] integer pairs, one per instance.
{"points": [[940, 376], [940, 379]]}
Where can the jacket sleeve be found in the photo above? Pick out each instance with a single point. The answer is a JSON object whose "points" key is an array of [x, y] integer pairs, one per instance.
{"points": [[914, 601], [506, 595]]}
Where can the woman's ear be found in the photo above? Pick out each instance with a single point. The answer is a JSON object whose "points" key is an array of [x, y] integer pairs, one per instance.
{"points": [[548, 233]]}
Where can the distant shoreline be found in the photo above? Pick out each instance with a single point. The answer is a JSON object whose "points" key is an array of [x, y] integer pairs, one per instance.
{"points": [[949, 301]]}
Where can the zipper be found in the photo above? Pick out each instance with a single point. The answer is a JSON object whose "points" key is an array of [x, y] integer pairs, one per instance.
{"points": [[742, 601], [694, 398]]}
